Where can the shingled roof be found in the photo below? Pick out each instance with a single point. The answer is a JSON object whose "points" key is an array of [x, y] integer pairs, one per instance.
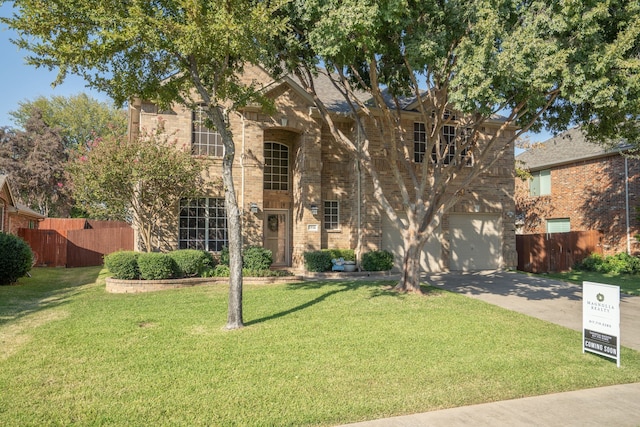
{"points": [[568, 147], [335, 102]]}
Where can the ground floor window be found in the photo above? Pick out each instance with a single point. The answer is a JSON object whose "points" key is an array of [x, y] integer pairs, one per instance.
{"points": [[331, 215], [559, 225], [203, 224]]}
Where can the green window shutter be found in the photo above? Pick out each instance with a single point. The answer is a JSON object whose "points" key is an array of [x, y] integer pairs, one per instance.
{"points": [[561, 225]]}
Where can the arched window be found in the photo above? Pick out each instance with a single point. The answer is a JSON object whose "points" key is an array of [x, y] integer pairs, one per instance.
{"points": [[276, 166]]}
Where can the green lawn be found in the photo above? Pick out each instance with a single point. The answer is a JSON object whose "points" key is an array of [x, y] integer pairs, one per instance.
{"points": [[311, 354], [629, 284]]}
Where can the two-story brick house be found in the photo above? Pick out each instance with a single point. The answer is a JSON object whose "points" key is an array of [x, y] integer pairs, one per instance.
{"points": [[299, 190], [577, 185]]}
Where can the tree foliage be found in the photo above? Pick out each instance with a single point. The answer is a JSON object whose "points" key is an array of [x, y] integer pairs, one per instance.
{"points": [[541, 63], [80, 117], [181, 51], [139, 180], [34, 159]]}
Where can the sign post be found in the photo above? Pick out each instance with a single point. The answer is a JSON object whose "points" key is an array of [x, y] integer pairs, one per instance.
{"points": [[601, 320]]}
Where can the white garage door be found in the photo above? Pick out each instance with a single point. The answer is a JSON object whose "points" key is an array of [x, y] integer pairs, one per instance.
{"points": [[476, 242], [430, 261]]}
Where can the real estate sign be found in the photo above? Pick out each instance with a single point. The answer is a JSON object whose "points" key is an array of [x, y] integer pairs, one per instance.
{"points": [[601, 320]]}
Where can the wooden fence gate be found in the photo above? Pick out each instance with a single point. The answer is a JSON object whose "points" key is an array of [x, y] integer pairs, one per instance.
{"points": [[555, 252]]}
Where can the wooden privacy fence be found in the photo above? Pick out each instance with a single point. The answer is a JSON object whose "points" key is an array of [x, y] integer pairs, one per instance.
{"points": [[77, 248], [542, 253]]}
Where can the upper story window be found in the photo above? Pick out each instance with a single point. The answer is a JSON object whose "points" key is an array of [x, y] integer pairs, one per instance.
{"points": [[331, 215], [447, 144], [419, 142], [540, 183], [204, 141], [1, 215], [276, 166]]}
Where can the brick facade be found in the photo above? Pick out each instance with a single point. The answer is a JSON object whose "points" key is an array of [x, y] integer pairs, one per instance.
{"points": [[320, 170], [592, 194], [12, 215]]}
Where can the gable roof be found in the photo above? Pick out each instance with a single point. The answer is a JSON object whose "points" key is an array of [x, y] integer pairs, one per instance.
{"points": [[4, 186], [567, 147], [17, 208]]}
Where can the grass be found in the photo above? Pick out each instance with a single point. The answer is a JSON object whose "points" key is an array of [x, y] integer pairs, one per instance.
{"points": [[311, 354], [629, 283]]}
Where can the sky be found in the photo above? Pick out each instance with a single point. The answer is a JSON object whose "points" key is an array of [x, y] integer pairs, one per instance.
{"points": [[20, 82]]}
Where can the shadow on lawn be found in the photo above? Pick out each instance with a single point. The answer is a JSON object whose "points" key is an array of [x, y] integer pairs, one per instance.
{"points": [[378, 289], [48, 287]]}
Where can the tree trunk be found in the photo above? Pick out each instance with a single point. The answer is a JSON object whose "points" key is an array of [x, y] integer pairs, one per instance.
{"points": [[410, 271], [234, 314]]}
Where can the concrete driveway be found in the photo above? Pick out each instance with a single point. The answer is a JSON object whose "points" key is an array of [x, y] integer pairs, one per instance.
{"points": [[547, 299]]}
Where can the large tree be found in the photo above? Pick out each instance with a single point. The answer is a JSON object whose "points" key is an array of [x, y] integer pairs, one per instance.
{"points": [[81, 118], [540, 64], [34, 158], [139, 180], [184, 51]]}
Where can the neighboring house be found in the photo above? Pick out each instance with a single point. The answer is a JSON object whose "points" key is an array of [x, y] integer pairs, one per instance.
{"points": [[14, 215], [299, 190], [576, 185]]}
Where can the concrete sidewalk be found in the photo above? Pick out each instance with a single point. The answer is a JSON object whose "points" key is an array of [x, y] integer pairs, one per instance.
{"points": [[557, 302], [616, 405]]}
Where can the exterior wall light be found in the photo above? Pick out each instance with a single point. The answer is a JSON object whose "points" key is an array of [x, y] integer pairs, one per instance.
{"points": [[253, 206], [314, 209], [284, 121]]}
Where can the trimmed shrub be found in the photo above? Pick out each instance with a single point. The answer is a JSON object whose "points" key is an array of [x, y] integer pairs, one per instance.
{"points": [[621, 263], [317, 261], [220, 270], [16, 258], [377, 261], [590, 263], [346, 254], [257, 258], [157, 266], [123, 265], [192, 262], [224, 256]]}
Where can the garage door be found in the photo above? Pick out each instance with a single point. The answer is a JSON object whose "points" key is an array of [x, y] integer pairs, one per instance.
{"points": [[430, 261], [476, 242]]}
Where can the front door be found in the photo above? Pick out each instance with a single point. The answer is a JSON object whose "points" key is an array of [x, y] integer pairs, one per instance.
{"points": [[276, 236]]}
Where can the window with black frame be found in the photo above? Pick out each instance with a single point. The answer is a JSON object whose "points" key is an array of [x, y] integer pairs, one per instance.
{"points": [[203, 224]]}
